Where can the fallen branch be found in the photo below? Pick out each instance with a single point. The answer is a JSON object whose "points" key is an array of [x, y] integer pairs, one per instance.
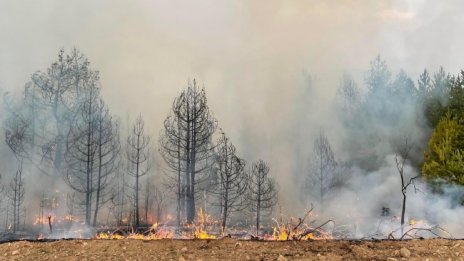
{"points": [[301, 220], [430, 230], [307, 232], [417, 230]]}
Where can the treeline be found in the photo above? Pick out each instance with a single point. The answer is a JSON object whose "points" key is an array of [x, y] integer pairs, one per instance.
{"points": [[382, 115], [62, 129], [429, 113]]}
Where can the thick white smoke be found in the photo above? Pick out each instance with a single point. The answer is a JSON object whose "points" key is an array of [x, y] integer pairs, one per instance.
{"points": [[359, 204]]}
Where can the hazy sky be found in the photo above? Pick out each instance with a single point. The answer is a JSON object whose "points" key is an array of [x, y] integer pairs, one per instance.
{"points": [[147, 50], [249, 55]]}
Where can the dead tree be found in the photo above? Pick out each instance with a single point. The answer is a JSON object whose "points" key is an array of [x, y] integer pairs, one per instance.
{"points": [[48, 106], [148, 198], [262, 190], [400, 159], [323, 168], [92, 149], [16, 137], [71, 205], [231, 181], [198, 125], [171, 149], [138, 156], [81, 150], [118, 198], [186, 145], [159, 198], [107, 154], [16, 197]]}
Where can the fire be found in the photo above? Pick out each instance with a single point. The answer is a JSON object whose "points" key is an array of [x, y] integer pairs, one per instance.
{"points": [[108, 236], [418, 223], [154, 233], [136, 236], [198, 230], [203, 220], [202, 234], [280, 233], [296, 229]]}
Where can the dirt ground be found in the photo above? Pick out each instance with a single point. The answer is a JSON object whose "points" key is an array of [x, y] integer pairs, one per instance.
{"points": [[231, 249]]}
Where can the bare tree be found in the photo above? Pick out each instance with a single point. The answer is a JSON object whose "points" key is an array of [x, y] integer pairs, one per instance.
{"points": [[322, 176], [400, 159], [16, 197], [148, 198], [107, 153], [92, 150], [262, 190], [172, 151], [138, 156], [71, 205], [186, 145], [81, 150], [118, 198], [160, 201], [17, 135], [232, 180], [47, 109]]}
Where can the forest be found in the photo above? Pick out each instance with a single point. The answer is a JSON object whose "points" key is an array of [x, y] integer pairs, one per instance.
{"points": [[396, 159]]}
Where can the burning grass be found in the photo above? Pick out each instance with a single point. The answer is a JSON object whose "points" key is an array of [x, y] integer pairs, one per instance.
{"points": [[306, 228], [206, 227]]}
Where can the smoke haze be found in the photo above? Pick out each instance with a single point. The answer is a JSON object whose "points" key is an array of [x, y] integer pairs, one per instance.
{"points": [[254, 58]]}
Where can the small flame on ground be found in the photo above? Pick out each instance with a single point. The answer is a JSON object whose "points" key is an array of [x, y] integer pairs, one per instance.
{"points": [[282, 233]]}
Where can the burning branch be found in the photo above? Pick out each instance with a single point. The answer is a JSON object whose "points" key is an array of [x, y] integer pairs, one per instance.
{"points": [[295, 232], [310, 231], [301, 220]]}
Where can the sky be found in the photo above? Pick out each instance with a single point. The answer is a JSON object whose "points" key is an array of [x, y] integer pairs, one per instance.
{"points": [[251, 56]]}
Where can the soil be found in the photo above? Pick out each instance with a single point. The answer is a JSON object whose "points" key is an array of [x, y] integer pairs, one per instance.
{"points": [[231, 249]]}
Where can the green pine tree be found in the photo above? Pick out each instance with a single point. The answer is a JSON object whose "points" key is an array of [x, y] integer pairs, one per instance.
{"points": [[444, 158]]}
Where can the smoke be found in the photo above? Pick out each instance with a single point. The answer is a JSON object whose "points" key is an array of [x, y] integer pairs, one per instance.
{"points": [[359, 204], [256, 62]]}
